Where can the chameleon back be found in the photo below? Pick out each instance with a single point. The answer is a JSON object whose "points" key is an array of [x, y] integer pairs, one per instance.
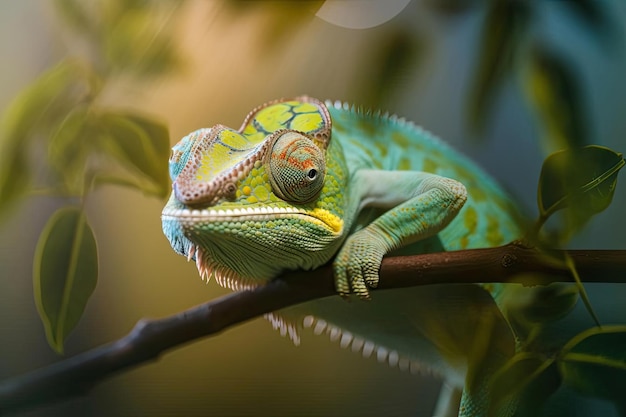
{"points": [[489, 217]]}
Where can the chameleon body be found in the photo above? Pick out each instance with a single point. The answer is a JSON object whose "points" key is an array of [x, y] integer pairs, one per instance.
{"points": [[301, 182]]}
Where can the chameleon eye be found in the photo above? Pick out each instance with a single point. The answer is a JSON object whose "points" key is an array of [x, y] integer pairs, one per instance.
{"points": [[296, 167]]}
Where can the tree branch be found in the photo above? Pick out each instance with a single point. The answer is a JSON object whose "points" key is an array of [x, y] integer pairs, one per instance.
{"points": [[150, 338]]}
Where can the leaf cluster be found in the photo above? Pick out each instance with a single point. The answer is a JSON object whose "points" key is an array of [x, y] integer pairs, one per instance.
{"points": [[576, 182], [513, 46], [593, 363], [579, 182], [56, 139]]}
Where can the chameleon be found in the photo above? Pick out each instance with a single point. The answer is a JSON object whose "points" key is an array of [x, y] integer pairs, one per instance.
{"points": [[304, 182]]}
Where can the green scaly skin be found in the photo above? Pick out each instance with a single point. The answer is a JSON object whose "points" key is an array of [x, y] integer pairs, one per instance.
{"points": [[302, 182]]}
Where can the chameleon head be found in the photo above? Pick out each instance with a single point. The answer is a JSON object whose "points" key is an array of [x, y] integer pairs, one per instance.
{"points": [[249, 203]]}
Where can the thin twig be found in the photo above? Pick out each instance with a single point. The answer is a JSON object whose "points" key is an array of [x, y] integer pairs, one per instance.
{"points": [[150, 338]]}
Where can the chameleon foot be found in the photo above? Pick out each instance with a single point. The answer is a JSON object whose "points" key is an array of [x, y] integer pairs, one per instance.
{"points": [[357, 264]]}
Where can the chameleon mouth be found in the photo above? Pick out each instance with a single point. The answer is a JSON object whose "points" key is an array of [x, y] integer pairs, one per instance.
{"points": [[319, 216], [208, 214]]}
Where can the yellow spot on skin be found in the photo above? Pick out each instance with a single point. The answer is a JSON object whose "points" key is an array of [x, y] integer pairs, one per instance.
{"points": [[246, 190], [249, 130], [261, 192], [404, 164], [400, 139], [305, 108], [334, 222], [469, 177], [470, 221], [233, 139], [307, 122], [252, 199], [274, 117], [430, 165], [493, 234], [367, 126], [478, 194], [382, 149]]}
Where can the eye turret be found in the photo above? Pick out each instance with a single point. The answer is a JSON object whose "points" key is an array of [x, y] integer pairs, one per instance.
{"points": [[296, 167]]}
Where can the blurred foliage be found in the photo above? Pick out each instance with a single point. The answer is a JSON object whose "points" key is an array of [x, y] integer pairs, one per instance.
{"points": [[398, 54], [283, 19], [66, 271], [531, 377], [593, 363], [510, 47], [594, 14], [504, 28], [553, 89], [579, 181], [55, 139]]}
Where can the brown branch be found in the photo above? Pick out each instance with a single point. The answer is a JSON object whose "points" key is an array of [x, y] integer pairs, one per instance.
{"points": [[150, 338]]}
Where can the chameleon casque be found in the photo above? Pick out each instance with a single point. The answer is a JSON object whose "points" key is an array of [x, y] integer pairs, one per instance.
{"points": [[303, 181]]}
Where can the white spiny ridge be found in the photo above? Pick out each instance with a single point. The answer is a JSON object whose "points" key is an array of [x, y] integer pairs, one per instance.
{"points": [[346, 339], [223, 276], [392, 117], [359, 345], [284, 327]]}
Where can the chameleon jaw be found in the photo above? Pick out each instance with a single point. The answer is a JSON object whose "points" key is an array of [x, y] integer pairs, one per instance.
{"points": [[232, 244], [319, 216], [207, 214]]}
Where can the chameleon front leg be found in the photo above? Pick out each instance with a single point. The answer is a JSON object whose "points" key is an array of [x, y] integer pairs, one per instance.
{"points": [[419, 206]]}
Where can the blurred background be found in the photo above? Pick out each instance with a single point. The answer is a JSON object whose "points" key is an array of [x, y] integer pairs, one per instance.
{"points": [[495, 81]]}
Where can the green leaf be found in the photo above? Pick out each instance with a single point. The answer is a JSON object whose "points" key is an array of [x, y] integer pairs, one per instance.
{"points": [[581, 180], [137, 45], [504, 26], [528, 377], [553, 87], [542, 303], [76, 15], [397, 56], [42, 104], [69, 147], [595, 15], [65, 273], [14, 178], [139, 143], [36, 110], [160, 140], [594, 362]]}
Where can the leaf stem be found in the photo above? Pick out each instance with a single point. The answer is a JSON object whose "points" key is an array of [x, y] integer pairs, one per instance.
{"points": [[69, 281]]}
